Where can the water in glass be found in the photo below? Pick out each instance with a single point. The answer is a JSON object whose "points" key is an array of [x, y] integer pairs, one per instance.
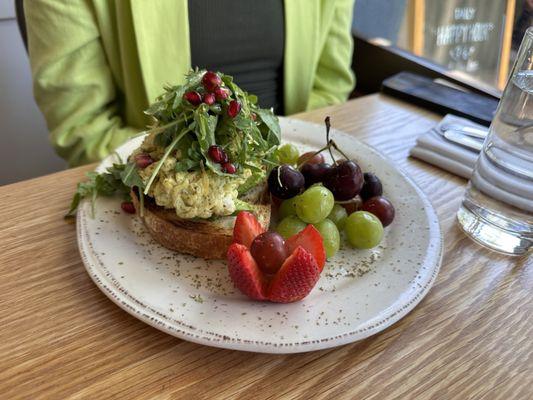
{"points": [[497, 210]]}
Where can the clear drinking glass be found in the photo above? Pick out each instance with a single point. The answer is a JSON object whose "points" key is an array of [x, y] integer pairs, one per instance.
{"points": [[497, 210]]}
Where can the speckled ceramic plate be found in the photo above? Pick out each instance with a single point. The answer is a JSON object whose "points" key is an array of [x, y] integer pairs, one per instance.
{"points": [[359, 293]]}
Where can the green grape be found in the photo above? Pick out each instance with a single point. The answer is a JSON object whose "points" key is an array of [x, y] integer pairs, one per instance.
{"points": [[363, 230], [338, 215], [314, 204], [288, 207], [288, 154], [330, 236], [289, 226]]}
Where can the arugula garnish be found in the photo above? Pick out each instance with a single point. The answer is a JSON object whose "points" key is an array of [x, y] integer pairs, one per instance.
{"points": [[185, 132]]}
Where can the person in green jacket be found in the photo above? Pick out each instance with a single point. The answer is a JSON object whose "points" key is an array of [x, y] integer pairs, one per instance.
{"points": [[97, 64]]}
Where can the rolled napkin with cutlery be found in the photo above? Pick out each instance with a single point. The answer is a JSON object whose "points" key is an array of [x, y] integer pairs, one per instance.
{"points": [[454, 145]]}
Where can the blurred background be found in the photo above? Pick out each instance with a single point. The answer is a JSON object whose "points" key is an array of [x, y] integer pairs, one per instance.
{"points": [[471, 43]]}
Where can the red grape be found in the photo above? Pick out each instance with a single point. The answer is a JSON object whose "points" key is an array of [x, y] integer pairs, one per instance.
{"points": [[345, 180], [314, 173], [268, 250], [381, 208], [372, 186], [285, 182], [311, 158]]}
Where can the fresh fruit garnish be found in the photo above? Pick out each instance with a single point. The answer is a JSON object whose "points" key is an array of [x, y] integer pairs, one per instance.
{"points": [[345, 180], [221, 94], [381, 208], [315, 204], [330, 236], [193, 97], [371, 186], [209, 99], [315, 173], [127, 207], [246, 228], [311, 157], [285, 182], [296, 278], [271, 269], [211, 81], [287, 207], [234, 108], [352, 205], [229, 168], [245, 273], [338, 216], [287, 154], [290, 226], [143, 160], [217, 154], [363, 230], [268, 250], [311, 240]]}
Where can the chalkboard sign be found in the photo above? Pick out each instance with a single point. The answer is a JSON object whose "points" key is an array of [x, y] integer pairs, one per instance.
{"points": [[465, 35]]}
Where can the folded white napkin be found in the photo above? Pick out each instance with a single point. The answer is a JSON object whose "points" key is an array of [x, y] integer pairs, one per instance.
{"points": [[433, 148], [511, 188]]}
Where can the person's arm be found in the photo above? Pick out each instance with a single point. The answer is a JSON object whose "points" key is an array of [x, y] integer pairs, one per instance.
{"points": [[334, 78], [73, 85]]}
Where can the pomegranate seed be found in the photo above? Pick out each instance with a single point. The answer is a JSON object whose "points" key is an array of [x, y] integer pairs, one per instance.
{"points": [[143, 160], [234, 108], [211, 81], [217, 154], [229, 168], [221, 94], [209, 99], [128, 207], [193, 97]]}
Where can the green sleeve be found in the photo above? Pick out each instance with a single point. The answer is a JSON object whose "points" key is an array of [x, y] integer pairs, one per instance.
{"points": [[73, 85], [334, 79]]}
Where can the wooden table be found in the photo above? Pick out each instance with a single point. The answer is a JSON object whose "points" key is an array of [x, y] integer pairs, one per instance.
{"points": [[60, 337]]}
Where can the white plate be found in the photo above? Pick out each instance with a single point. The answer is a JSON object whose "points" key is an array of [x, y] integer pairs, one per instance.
{"points": [[194, 299]]}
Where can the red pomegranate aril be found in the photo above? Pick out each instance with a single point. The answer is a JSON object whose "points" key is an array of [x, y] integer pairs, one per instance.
{"points": [[217, 154], [128, 207], [268, 250], [234, 108], [221, 94], [211, 81], [143, 160], [193, 97], [229, 168], [209, 99]]}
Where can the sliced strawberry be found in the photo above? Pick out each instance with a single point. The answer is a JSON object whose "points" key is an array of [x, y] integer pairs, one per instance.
{"points": [[311, 240], [246, 228], [296, 278], [245, 273]]}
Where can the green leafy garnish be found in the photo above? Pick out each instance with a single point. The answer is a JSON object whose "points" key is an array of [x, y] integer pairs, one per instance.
{"points": [[184, 132]]}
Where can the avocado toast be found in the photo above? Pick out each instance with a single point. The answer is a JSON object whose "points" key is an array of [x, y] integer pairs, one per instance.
{"points": [[205, 157]]}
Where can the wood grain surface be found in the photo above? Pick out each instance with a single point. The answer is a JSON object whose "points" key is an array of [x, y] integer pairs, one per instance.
{"points": [[61, 338]]}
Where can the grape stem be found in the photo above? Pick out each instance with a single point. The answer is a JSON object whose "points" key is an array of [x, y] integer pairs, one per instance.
{"points": [[328, 127]]}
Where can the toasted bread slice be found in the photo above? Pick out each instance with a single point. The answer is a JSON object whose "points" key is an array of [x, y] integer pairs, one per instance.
{"points": [[203, 238]]}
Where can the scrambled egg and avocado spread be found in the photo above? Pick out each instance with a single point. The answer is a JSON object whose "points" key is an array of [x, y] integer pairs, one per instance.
{"points": [[195, 194], [182, 174]]}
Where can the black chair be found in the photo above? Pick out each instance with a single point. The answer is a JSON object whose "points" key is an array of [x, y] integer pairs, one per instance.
{"points": [[19, 9]]}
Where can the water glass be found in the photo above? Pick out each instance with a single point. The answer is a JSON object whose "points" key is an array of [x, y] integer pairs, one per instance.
{"points": [[497, 209]]}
